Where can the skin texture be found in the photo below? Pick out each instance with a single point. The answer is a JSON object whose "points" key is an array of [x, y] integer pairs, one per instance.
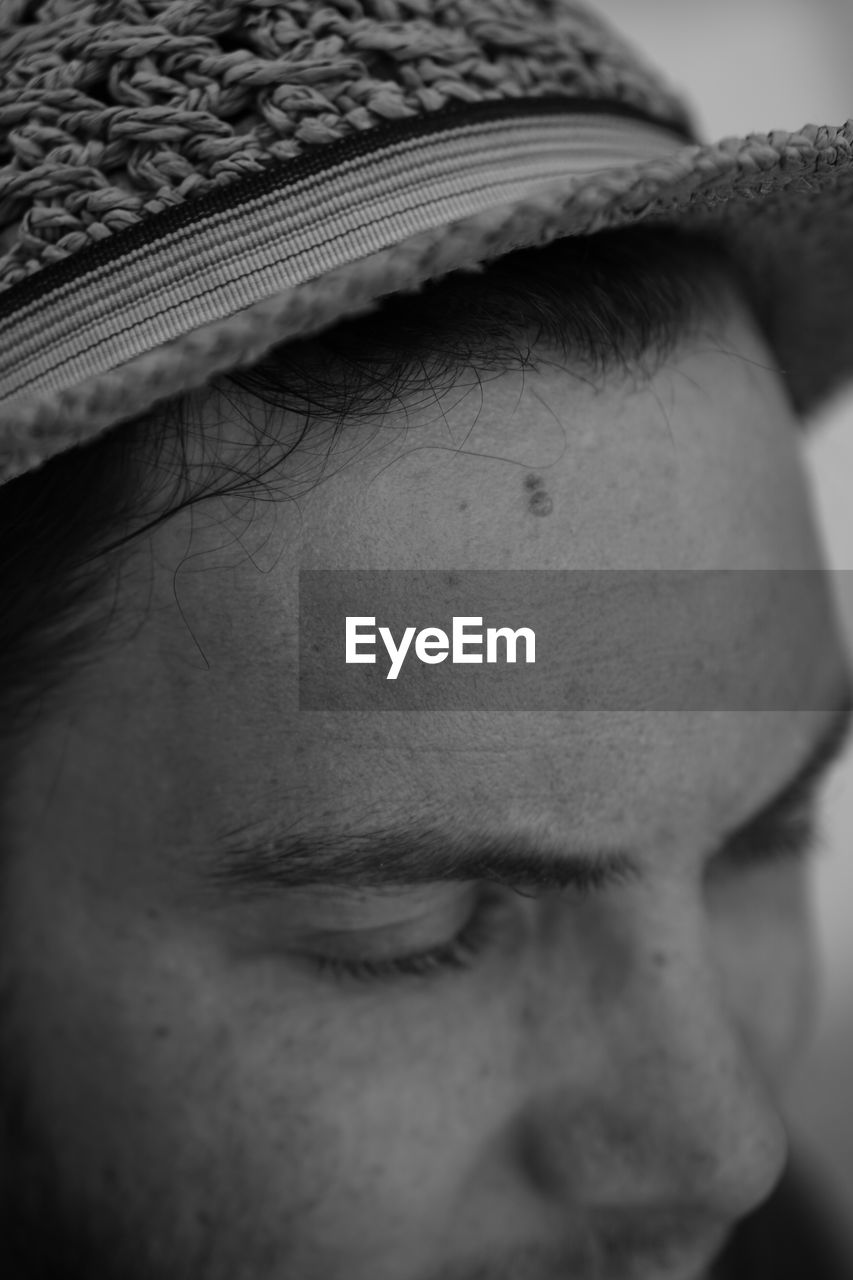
{"points": [[598, 1094]]}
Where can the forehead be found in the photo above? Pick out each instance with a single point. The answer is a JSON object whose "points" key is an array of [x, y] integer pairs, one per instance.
{"points": [[697, 467], [550, 466]]}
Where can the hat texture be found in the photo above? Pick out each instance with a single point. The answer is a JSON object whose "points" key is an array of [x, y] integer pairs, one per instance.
{"points": [[184, 185]]}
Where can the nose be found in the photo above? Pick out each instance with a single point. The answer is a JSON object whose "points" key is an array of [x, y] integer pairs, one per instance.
{"points": [[648, 1095]]}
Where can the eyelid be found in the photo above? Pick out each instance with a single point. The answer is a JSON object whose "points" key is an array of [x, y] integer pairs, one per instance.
{"points": [[376, 932], [487, 919], [334, 908]]}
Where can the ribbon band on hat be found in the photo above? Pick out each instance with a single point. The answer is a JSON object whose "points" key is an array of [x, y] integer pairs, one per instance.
{"points": [[203, 260]]}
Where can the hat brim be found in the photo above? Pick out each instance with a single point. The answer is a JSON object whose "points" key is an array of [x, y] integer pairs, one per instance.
{"points": [[194, 309]]}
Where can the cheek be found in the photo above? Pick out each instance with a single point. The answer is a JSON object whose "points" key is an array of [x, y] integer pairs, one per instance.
{"points": [[764, 945], [328, 1125], [367, 1104]]}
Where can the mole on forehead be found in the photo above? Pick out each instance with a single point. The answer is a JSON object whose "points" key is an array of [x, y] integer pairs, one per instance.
{"points": [[539, 503]]}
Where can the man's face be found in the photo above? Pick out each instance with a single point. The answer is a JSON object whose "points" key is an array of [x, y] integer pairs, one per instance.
{"points": [[572, 1085]]}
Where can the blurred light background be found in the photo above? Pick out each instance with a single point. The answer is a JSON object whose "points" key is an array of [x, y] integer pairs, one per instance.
{"points": [[752, 66]]}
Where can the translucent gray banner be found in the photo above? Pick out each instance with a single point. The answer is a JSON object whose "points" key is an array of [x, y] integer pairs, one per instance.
{"points": [[411, 640]]}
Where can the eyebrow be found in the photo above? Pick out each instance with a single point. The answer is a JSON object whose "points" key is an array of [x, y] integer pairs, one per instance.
{"points": [[419, 853]]}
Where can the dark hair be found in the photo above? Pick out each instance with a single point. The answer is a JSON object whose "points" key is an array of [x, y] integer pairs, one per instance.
{"points": [[617, 300]]}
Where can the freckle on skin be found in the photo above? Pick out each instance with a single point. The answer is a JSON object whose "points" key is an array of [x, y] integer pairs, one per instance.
{"points": [[463, 506], [533, 482]]}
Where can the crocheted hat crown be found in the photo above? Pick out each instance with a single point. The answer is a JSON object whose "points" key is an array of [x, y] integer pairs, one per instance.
{"points": [[112, 111]]}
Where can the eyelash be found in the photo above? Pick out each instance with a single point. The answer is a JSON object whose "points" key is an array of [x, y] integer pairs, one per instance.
{"points": [[459, 953]]}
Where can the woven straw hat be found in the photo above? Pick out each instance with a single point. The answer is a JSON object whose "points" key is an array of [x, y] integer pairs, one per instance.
{"points": [[186, 183]]}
